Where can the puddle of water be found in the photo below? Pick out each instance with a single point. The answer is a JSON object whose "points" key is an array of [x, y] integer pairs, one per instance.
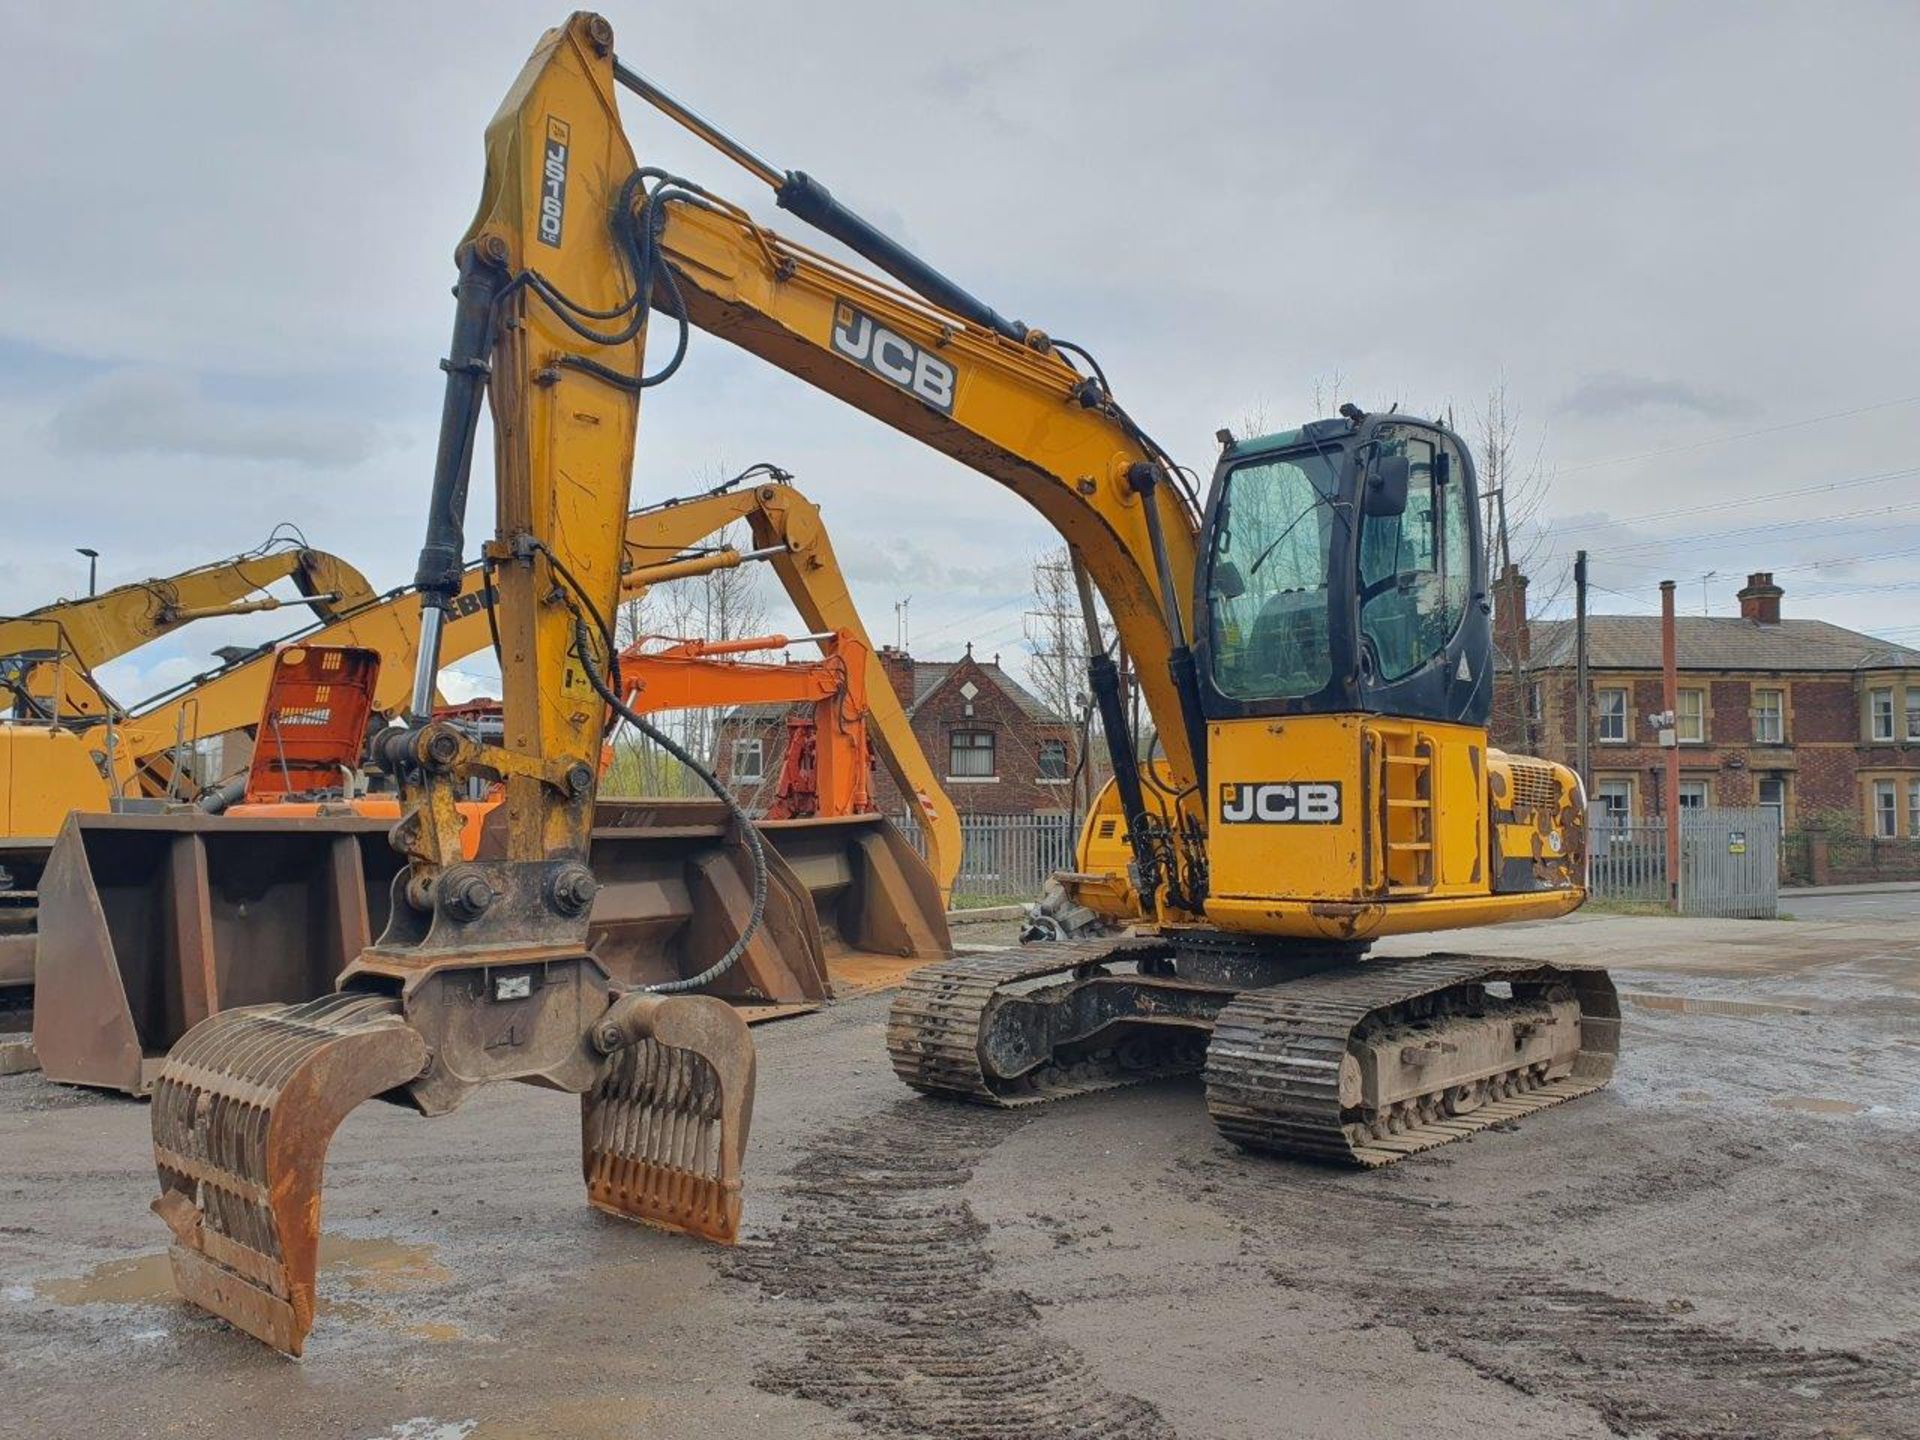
{"points": [[1816, 1105], [377, 1266], [425, 1427]]}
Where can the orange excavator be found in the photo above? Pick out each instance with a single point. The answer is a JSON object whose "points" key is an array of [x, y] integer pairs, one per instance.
{"points": [[827, 763]]}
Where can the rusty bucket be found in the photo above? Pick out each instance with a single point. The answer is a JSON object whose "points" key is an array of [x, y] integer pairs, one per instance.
{"points": [[150, 923]]}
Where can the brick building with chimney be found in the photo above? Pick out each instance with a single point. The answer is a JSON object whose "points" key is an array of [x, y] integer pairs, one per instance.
{"points": [[1802, 717], [997, 748]]}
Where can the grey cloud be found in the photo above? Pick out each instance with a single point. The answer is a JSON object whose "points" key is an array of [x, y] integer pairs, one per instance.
{"points": [[1613, 396], [147, 412]]}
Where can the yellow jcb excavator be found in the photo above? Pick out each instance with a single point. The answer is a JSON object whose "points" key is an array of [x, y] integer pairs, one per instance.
{"points": [[1311, 642], [48, 655], [55, 720]]}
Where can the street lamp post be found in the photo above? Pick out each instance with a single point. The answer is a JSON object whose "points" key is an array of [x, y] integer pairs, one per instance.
{"points": [[93, 569]]}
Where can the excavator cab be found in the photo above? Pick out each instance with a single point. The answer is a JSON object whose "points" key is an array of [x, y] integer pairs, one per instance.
{"points": [[1344, 573]]}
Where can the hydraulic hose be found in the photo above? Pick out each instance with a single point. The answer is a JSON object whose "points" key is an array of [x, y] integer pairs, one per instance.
{"points": [[756, 850]]}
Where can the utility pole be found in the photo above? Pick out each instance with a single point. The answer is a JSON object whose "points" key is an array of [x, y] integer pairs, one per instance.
{"points": [[1583, 758], [1670, 739], [900, 623]]}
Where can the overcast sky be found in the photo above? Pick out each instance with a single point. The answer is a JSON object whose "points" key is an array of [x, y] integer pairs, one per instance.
{"points": [[1682, 233]]}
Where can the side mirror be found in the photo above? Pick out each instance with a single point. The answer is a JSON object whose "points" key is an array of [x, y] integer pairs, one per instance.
{"points": [[1228, 583], [1386, 491]]}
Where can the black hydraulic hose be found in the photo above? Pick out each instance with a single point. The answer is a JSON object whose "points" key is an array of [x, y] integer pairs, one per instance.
{"points": [[756, 850]]}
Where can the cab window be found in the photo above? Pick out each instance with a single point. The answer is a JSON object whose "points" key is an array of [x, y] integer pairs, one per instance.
{"points": [[1416, 568], [1274, 530]]}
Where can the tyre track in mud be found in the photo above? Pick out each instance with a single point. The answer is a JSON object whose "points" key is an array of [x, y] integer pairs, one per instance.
{"points": [[903, 1329], [1501, 1295]]}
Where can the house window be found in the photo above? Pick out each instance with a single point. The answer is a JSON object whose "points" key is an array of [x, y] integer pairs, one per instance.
{"points": [[1053, 759], [1913, 712], [1886, 819], [970, 755], [1693, 794], [1769, 717], [1880, 707], [748, 762], [1613, 717], [1773, 796], [1615, 798], [1913, 809], [1537, 702], [1690, 716]]}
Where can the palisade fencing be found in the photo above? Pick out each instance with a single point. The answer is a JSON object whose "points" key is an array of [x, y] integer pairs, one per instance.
{"points": [[1729, 862], [1629, 860], [1005, 858]]}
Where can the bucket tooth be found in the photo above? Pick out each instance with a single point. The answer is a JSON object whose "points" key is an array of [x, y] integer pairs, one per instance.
{"points": [[243, 1109], [665, 1125]]}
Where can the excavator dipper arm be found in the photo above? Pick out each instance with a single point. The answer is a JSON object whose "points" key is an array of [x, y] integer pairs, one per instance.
{"points": [[483, 973]]}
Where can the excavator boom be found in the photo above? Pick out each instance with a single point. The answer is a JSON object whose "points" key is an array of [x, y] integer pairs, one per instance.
{"points": [[48, 655]]}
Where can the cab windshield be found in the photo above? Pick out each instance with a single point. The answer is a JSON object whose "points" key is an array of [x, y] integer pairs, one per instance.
{"points": [[1274, 531]]}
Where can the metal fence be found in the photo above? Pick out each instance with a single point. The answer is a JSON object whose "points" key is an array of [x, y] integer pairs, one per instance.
{"points": [[1005, 858], [1729, 859], [1729, 862]]}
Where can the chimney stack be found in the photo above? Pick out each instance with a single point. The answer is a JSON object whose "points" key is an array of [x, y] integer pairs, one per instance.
{"points": [[1510, 628], [1760, 600], [899, 667]]}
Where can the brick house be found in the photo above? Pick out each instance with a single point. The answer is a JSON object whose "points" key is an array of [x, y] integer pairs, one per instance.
{"points": [[1797, 716], [997, 747]]}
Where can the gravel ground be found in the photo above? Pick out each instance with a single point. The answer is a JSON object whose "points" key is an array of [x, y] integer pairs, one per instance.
{"points": [[1720, 1245]]}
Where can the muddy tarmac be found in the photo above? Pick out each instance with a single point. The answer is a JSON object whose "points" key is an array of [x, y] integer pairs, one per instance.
{"points": [[1723, 1244]]}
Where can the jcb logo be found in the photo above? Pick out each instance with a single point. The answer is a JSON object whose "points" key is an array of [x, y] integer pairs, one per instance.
{"points": [[553, 181], [465, 605], [864, 340], [1284, 802]]}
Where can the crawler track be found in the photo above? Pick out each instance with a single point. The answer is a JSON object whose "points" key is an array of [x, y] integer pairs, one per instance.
{"points": [[1273, 1065], [933, 1030]]}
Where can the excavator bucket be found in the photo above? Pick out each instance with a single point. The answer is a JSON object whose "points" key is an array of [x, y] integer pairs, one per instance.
{"points": [[149, 924], [242, 1112], [850, 905], [665, 1125], [875, 902]]}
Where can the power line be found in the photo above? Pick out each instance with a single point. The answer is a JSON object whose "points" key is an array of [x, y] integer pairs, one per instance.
{"points": [[1812, 489], [1711, 537], [1739, 435]]}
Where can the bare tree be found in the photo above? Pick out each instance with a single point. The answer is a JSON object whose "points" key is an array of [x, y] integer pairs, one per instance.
{"points": [[1514, 483], [1057, 655], [720, 605]]}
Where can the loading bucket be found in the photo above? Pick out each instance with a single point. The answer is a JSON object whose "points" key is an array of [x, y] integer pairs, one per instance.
{"points": [[150, 923], [850, 904]]}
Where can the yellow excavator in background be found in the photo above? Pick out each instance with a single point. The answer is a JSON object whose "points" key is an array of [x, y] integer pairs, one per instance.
{"points": [[57, 724], [1311, 641], [48, 656], [267, 902]]}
